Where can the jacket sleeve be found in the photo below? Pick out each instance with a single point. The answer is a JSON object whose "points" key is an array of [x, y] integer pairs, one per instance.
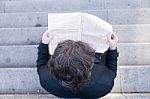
{"points": [[43, 55], [111, 60]]}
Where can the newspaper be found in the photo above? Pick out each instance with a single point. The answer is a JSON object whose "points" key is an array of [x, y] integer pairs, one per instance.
{"points": [[79, 26]]}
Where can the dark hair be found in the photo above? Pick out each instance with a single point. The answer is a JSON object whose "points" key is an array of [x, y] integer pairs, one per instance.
{"points": [[71, 63]]}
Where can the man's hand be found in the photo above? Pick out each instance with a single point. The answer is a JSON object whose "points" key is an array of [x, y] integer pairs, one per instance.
{"points": [[112, 40], [47, 37]]}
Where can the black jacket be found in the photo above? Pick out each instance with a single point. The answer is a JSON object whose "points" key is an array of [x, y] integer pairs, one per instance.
{"points": [[100, 84]]}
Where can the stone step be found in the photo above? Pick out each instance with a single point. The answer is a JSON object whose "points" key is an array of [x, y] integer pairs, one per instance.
{"points": [[127, 96], [126, 4], [50, 5], [32, 35], [133, 33], [138, 16], [9, 6], [49, 96], [26, 56], [28, 96], [130, 79], [39, 19]]}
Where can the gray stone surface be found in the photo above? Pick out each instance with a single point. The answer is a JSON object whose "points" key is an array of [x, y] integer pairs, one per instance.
{"points": [[18, 56], [26, 56], [21, 36], [135, 79], [126, 4], [25, 80], [49, 96], [145, 3], [133, 33], [19, 80], [52, 5], [12, 0], [23, 19], [34, 19], [39, 19], [28, 96], [130, 16], [122, 4], [2, 5], [12, 6], [127, 96], [134, 54], [32, 35]]}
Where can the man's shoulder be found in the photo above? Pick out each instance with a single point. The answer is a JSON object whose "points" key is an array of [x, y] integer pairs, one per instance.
{"points": [[103, 75], [107, 78]]}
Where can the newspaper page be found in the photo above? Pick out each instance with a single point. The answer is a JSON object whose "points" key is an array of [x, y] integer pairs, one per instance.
{"points": [[79, 26]]}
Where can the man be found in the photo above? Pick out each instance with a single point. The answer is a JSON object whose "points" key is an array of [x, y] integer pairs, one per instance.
{"points": [[75, 70]]}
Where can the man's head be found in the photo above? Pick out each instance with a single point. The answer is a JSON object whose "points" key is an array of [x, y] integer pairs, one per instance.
{"points": [[71, 63]]}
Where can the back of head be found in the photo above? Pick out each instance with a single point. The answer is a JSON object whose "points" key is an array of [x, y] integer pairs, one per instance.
{"points": [[71, 63]]}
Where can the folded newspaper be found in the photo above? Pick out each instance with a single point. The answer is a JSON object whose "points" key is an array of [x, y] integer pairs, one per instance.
{"points": [[78, 26]]}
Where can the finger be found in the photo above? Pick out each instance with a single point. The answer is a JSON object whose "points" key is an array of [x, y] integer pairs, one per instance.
{"points": [[50, 35], [115, 35], [112, 36], [46, 34]]}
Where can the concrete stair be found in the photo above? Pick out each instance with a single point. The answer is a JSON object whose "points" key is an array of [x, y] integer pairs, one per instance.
{"points": [[22, 23], [48, 96]]}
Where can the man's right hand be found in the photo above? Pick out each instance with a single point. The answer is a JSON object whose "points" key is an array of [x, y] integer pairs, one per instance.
{"points": [[112, 40], [47, 37]]}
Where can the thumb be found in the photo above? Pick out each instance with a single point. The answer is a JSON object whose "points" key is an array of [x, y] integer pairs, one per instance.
{"points": [[50, 35], [109, 37]]}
